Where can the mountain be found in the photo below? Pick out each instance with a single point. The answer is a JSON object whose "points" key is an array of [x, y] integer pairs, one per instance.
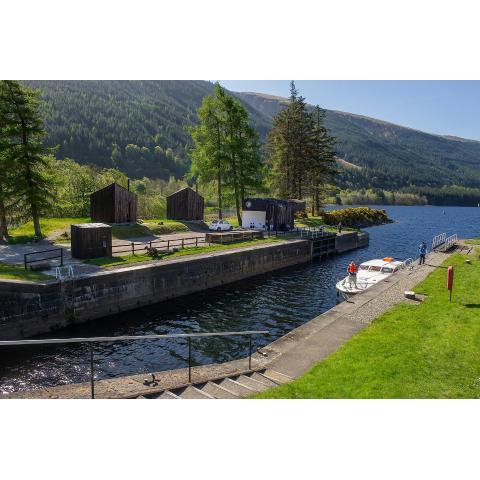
{"points": [[379, 154], [141, 128]]}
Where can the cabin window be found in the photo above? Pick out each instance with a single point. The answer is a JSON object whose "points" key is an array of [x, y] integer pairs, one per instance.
{"points": [[374, 268], [363, 267], [387, 270]]}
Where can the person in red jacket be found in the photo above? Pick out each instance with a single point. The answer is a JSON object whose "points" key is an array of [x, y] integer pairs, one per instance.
{"points": [[352, 272]]}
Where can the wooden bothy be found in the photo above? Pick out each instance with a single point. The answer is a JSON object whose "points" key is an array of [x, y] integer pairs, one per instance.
{"points": [[91, 240], [113, 204], [185, 204], [269, 213]]}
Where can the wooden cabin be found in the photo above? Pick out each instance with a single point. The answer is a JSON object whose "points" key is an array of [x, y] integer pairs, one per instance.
{"points": [[113, 204], [185, 204], [91, 240], [268, 213]]}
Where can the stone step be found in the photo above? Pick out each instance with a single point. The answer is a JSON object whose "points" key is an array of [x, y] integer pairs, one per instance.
{"points": [[276, 377], [251, 382], [236, 387], [192, 392], [167, 395], [262, 379], [217, 391]]}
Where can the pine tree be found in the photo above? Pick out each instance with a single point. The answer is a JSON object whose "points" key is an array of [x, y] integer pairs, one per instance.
{"points": [[322, 159], [300, 151], [24, 148], [288, 147]]}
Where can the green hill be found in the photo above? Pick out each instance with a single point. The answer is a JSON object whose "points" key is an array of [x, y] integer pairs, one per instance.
{"points": [[140, 128], [379, 154]]}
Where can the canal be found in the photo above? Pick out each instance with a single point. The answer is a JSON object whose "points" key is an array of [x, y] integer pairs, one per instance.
{"points": [[278, 302]]}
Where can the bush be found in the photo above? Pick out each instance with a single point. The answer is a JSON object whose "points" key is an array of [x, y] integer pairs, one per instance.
{"points": [[356, 217]]}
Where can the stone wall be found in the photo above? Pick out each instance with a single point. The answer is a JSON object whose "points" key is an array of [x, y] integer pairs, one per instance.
{"points": [[350, 241], [30, 309]]}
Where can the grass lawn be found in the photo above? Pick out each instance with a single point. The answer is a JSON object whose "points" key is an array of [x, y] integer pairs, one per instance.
{"points": [[127, 259], [430, 350], [18, 272], [25, 233], [473, 241]]}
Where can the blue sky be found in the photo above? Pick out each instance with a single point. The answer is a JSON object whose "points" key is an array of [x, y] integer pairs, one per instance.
{"points": [[436, 106]]}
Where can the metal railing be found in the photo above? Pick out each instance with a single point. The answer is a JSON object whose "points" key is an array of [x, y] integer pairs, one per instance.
{"points": [[438, 240], [26, 261], [92, 340], [451, 241], [160, 245]]}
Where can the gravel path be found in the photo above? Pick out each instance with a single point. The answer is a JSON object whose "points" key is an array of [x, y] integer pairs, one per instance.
{"points": [[395, 293]]}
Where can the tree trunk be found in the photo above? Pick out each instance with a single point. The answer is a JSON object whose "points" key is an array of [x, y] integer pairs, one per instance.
{"points": [[36, 221], [3, 218]]}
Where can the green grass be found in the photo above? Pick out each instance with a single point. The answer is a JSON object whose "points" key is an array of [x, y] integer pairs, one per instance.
{"points": [[473, 241], [430, 350], [163, 226], [18, 272], [107, 262], [25, 233]]}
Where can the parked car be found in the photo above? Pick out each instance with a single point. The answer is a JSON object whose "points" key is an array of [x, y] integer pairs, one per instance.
{"points": [[220, 225]]}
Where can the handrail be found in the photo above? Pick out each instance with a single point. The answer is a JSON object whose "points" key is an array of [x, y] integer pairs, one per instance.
{"points": [[5, 343], [26, 262], [91, 340]]}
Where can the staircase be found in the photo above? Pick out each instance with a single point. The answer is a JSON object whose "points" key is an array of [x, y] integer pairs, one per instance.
{"points": [[232, 386]]}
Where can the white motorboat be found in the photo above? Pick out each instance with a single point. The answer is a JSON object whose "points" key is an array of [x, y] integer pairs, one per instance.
{"points": [[370, 273]]}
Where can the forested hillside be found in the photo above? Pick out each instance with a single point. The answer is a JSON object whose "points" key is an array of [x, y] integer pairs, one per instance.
{"points": [[391, 156], [139, 127]]}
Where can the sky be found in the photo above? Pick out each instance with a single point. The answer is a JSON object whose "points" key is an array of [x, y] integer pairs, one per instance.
{"points": [[433, 106]]}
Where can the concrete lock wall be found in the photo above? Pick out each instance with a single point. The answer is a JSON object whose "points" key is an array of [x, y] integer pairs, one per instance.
{"points": [[350, 241], [30, 309]]}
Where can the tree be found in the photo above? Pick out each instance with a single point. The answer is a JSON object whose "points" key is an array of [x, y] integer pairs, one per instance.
{"points": [[24, 133], [300, 151], [208, 154], [322, 162], [288, 146], [226, 148]]}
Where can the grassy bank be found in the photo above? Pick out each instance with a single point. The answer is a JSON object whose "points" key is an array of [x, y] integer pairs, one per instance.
{"points": [[59, 229], [430, 350], [18, 272], [107, 262], [25, 233]]}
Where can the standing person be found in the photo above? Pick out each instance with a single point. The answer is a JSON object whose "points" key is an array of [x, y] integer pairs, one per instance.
{"points": [[339, 227], [352, 273], [422, 250]]}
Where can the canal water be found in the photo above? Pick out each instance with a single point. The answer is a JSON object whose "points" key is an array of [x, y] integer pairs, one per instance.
{"points": [[277, 302]]}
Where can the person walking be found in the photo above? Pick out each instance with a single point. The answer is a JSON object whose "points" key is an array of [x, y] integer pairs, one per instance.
{"points": [[352, 273], [422, 250], [339, 227]]}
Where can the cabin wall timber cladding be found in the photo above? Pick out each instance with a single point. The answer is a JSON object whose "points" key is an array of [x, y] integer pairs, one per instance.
{"points": [[91, 240], [113, 204], [185, 205]]}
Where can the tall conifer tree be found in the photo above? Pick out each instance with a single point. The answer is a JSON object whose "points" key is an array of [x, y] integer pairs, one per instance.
{"points": [[24, 148]]}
